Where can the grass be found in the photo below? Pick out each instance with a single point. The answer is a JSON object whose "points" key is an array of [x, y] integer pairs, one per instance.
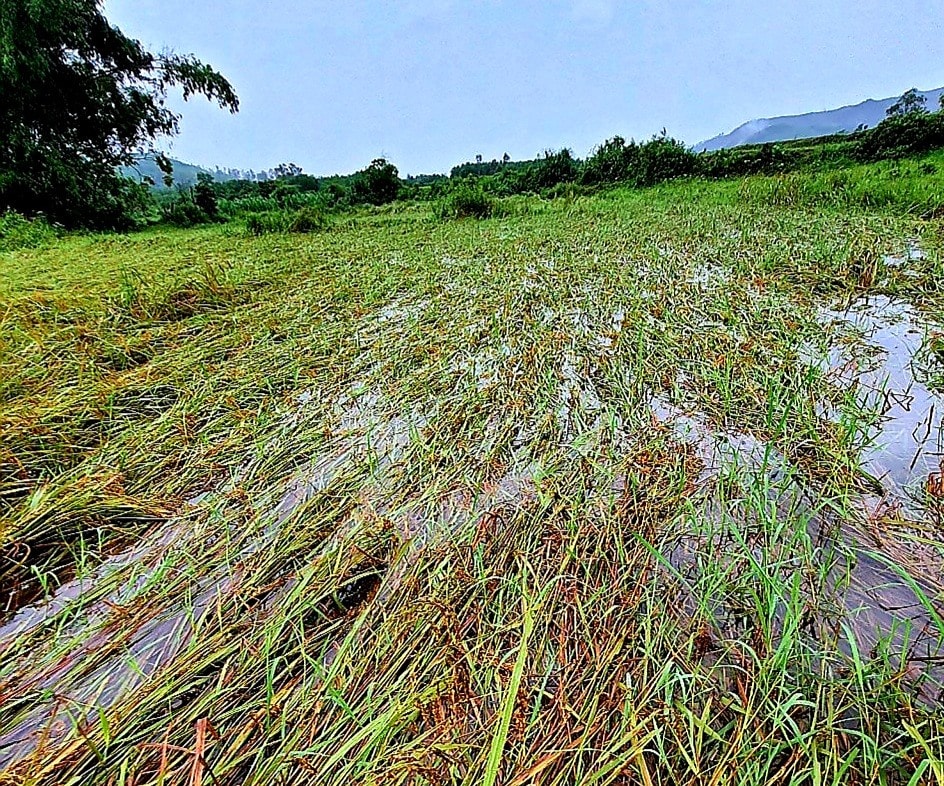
{"points": [[397, 502]]}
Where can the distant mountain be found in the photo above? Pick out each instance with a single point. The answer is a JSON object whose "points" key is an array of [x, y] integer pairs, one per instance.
{"points": [[185, 175], [833, 121]]}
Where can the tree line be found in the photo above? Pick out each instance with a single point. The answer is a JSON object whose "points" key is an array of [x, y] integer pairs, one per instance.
{"points": [[79, 100]]}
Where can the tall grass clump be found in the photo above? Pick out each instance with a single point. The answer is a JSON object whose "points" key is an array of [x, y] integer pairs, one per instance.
{"points": [[302, 221]]}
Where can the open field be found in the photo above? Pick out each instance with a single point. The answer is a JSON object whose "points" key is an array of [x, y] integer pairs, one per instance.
{"points": [[638, 487]]}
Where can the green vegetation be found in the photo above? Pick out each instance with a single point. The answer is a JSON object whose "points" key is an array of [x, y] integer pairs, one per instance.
{"points": [[79, 178], [305, 219], [472, 189], [558, 496], [465, 200], [19, 232], [78, 99]]}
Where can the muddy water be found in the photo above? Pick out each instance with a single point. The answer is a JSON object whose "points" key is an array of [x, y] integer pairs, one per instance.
{"points": [[887, 577], [876, 352], [112, 637], [888, 598]]}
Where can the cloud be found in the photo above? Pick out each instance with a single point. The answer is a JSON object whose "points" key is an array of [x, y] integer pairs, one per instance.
{"points": [[599, 11]]}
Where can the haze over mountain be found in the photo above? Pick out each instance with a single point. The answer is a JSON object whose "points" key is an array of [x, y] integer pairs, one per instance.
{"points": [[813, 124], [145, 168]]}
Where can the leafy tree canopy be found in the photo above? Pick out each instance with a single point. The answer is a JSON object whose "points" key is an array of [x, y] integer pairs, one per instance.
{"points": [[78, 98], [909, 103], [378, 184]]}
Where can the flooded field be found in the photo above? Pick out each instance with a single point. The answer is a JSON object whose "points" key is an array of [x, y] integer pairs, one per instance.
{"points": [[625, 488]]}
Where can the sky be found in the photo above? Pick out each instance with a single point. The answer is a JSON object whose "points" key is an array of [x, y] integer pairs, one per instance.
{"points": [[332, 84]]}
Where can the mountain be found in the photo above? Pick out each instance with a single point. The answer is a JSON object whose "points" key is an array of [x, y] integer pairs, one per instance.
{"points": [[185, 175], [833, 121]]}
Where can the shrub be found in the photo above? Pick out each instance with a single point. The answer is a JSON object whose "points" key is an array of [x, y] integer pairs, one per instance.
{"points": [[902, 135], [611, 162], [464, 200], [268, 223], [204, 197], [554, 168], [378, 184], [663, 158], [307, 219], [337, 196], [508, 182], [184, 212], [17, 232]]}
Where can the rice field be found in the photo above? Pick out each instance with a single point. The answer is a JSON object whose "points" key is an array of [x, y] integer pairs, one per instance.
{"points": [[632, 488]]}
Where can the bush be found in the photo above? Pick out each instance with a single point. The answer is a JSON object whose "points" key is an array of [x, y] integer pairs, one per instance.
{"points": [[307, 219], [337, 196], [184, 212], [663, 158], [554, 168], [17, 232], [378, 184], [267, 223], [464, 200], [204, 197], [611, 162], [508, 182], [902, 135]]}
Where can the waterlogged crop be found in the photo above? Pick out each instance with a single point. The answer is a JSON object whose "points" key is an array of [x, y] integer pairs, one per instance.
{"points": [[588, 492]]}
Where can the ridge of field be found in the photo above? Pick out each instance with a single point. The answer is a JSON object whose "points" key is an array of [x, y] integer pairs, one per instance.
{"points": [[585, 492]]}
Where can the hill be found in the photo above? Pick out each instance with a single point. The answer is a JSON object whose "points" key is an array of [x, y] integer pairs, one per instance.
{"points": [[185, 175], [813, 124]]}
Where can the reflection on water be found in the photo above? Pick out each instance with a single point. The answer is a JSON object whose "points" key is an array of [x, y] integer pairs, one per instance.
{"points": [[878, 351], [888, 588]]}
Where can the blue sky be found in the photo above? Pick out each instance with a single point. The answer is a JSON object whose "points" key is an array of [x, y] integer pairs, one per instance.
{"points": [[432, 83]]}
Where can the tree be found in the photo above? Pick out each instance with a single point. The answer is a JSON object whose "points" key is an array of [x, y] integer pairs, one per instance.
{"points": [[78, 99], [204, 197], [287, 170], [911, 102], [378, 184]]}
